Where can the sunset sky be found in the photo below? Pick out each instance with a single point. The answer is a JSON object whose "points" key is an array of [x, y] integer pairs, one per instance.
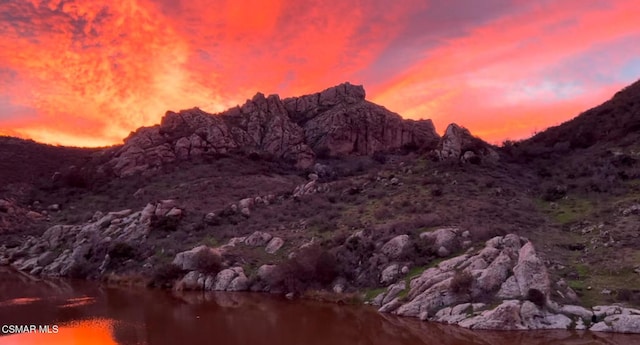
{"points": [[88, 72]]}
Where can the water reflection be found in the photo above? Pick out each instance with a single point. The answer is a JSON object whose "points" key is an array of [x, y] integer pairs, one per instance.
{"points": [[18, 301], [90, 314], [94, 331]]}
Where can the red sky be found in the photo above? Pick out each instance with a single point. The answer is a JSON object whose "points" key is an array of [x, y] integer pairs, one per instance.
{"points": [[88, 72]]}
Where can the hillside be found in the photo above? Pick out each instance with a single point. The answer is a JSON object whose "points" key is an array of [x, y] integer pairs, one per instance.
{"points": [[314, 188]]}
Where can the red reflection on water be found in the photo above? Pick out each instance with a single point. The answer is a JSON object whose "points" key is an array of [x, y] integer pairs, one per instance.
{"points": [[94, 332], [78, 302], [19, 301]]}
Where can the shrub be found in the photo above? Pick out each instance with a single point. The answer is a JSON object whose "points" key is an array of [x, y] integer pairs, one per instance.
{"points": [[121, 251], [168, 224], [207, 262], [461, 282], [420, 252], [554, 193], [624, 295], [324, 222], [476, 160], [313, 267], [165, 275], [537, 297], [382, 213], [75, 178], [379, 157]]}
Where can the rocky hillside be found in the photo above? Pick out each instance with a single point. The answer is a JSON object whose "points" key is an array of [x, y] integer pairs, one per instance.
{"points": [[335, 122], [330, 194]]}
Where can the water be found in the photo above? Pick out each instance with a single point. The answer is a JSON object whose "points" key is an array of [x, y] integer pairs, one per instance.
{"points": [[87, 313]]}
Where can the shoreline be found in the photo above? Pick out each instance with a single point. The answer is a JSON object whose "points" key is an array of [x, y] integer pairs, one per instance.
{"points": [[328, 297]]}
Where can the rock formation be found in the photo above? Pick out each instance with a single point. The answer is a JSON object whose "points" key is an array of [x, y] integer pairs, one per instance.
{"points": [[458, 143], [84, 250], [336, 121], [506, 270]]}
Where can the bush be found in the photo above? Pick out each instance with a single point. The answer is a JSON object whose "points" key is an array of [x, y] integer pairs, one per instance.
{"points": [[382, 213], [313, 267], [121, 251], [165, 275], [624, 295], [207, 262], [554, 193], [537, 297], [168, 224], [420, 252], [461, 282], [379, 157], [75, 178]]}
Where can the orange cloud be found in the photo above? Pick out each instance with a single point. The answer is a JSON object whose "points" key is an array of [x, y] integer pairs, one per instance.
{"points": [[500, 80], [85, 73]]}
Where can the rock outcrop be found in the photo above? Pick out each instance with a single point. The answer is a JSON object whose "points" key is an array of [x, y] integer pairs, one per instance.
{"points": [[230, 279], [458, 143], [336, 121], [84, 250], [339, 121], [507, 270]]}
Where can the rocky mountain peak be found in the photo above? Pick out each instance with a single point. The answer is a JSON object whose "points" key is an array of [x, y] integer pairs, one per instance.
{"points": [[336, 121]]}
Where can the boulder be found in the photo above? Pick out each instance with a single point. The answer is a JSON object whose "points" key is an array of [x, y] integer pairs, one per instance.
{"points": [[246, 203], [578, 311], [506, 316], [186, 260], [265, 272], [530, 271], [445, 237], [393, 291], [494, 276], [535, 318], [239, 283], [395, 246], [174, 213], [164, 206], [458, 143], [274, 245], [509, 289], [389, 274], [224, 279], [46, 258], [191, 281], [619, 323], [211, 218], [258, 239]]}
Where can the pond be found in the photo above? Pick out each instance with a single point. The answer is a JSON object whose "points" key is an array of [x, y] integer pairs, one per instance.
{"points": [[34, 311]]}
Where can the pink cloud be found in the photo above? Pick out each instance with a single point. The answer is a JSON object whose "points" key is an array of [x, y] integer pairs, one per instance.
{"points": [[91, 72]]}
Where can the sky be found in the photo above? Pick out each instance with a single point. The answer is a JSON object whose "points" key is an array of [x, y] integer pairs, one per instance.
{"points": [[88, 72]]}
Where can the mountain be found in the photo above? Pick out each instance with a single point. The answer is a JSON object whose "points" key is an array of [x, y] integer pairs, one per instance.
{"points": [[329, 191], [337, 121]]}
